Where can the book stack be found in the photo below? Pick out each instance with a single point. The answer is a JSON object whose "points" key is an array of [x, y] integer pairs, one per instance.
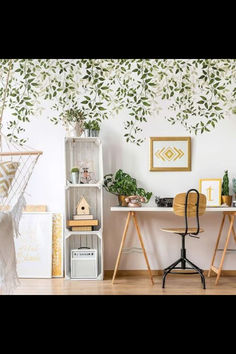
{"points": [[83, 222]]}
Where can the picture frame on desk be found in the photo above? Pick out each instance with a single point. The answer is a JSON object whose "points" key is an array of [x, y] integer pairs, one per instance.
{"points": [[170, 153], [211, 187]]}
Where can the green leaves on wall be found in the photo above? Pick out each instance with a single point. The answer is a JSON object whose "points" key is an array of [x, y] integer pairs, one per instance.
{"points": [[197, 93]]}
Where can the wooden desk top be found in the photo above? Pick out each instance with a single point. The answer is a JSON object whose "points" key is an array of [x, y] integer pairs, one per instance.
{"points": [[164, 209]]}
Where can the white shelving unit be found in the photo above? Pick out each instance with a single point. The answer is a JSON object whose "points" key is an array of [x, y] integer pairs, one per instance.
{"points": [[87, 150]]}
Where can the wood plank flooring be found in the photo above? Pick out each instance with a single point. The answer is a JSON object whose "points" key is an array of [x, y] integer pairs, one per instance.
{"points": [[176, 284]]}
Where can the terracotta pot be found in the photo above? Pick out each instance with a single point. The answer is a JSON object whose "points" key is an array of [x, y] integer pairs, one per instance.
{"points": [[226, 199], [122, 202]]}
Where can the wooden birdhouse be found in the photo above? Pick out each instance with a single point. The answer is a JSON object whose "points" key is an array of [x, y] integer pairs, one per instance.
{"points": [[83, 207]]}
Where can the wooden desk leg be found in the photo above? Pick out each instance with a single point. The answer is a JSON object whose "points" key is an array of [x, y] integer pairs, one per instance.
{"points": [[232, 228], [217, 243], [121, 246], [142, 245], [225, 249]]}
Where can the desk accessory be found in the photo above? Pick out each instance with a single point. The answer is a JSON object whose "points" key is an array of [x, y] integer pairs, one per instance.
{"points": [[164, 202]]}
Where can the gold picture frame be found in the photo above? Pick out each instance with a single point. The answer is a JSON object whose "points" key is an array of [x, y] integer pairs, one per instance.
{"points": [[170, 153], [211, 187]]}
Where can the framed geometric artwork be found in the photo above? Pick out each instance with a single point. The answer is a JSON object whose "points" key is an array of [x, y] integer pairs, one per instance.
{"points": [[211, 187], [34, 245], [170, 153]]}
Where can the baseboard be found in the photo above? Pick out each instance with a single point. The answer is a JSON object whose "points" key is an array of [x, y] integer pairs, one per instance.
{"points": [[144, 272]]}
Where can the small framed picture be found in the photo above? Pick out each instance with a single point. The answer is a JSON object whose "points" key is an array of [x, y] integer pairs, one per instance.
{"points": [[211, 187], [170, 154]]}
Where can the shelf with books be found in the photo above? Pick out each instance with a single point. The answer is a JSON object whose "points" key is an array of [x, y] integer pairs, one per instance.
{"points": [[84, 201]]}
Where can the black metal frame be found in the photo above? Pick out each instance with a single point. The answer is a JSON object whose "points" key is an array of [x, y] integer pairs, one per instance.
{"points": [[183, 259]]}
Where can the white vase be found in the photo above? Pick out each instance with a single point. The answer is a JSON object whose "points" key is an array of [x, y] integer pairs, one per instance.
{"points": [[73, 129]]}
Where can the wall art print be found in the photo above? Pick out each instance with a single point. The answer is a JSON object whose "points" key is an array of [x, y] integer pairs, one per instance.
{"points": [[170, 153]]}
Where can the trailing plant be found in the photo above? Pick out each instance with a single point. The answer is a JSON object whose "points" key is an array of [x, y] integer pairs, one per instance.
{"points": [[198, 93], [121, 183], [225, 184]]}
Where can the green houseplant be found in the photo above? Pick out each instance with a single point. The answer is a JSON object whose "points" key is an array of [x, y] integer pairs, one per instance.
{"points": [[123, 185], [74, 121], [225, 197], [75, 175], [92, 128]]}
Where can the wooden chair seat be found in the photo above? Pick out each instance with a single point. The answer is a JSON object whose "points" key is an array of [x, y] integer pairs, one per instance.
{"points": [[180, 230]]}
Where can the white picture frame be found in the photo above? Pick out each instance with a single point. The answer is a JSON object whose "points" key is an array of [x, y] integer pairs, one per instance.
{"points": [[211, 187], [34, 245]]}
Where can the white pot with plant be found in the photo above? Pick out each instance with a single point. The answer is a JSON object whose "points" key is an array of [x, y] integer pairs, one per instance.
{"points": [[75, 175], [74, 122]]}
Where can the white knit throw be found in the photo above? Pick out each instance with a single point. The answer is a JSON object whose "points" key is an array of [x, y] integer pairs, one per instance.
{"points": [[9, 228]]}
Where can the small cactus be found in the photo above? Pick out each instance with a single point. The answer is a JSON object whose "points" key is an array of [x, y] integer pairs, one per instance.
{"points": [[225, 184]]}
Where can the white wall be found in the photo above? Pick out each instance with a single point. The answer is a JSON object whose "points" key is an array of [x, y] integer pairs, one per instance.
{"points": [[212, 153]]}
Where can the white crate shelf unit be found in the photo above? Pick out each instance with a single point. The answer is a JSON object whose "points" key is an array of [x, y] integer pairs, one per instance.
{"points": [[84, 153]]}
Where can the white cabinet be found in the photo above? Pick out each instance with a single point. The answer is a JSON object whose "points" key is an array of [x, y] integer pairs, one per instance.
{"points": [[81, 152]]}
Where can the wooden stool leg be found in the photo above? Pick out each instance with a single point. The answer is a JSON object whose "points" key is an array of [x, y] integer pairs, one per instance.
{"points": [[217, 243], [121, 246], [225, 249], [142, 245]]}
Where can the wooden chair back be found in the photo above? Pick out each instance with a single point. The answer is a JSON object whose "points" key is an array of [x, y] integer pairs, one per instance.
{"points": [[179, 204]]}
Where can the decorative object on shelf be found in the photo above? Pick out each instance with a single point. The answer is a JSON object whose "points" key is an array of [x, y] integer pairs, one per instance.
{"points": [[170, 153], [211, 187], [226, 198], [83, 207], [84, 263], [75, 175], [123, 185], [135, 201], [85, 176], [164, 202], [91, 128], [74, 122]]}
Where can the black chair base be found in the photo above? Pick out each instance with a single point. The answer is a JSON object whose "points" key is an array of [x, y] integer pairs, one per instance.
{"points": [[183, 261]]}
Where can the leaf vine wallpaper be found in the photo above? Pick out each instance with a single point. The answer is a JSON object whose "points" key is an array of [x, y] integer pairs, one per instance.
{"points": [[198, 93]]}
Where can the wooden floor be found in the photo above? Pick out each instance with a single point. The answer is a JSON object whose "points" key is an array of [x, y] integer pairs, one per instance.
{"points": [[176, 284]]}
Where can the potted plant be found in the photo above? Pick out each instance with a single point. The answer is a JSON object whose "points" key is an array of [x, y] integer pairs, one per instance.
{"points": [[92, 128], [225, 197], [95, 128], [75, 175], [123, 185], [74, 121]]}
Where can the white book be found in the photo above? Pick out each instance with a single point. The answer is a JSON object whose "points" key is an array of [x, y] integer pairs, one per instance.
{"points": [[83, 217]]}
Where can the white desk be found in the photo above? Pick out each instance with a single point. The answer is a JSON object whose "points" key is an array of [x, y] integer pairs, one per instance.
{"points": [[230, 211]]}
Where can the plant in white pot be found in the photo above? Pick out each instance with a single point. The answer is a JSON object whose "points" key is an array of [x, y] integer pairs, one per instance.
{"points": [[75, 175], [74, 122]]}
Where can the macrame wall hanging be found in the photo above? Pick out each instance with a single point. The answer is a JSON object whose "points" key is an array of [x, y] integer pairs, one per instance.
{"points": [[16, 166]]}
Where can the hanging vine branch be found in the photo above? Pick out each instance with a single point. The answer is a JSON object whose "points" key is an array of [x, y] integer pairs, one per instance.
{"points": [[198, 93]]}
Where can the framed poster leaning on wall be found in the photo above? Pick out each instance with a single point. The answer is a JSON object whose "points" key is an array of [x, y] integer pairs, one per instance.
{"points": [[34, 245], [211, 187]]}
